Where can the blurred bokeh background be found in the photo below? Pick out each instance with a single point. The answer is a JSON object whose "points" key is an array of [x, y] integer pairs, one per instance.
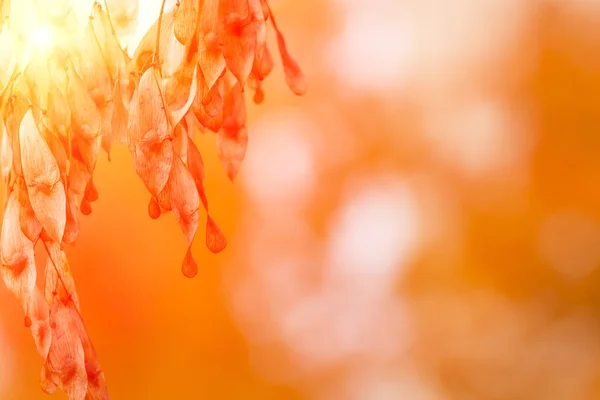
{"points": [[423, 225]]}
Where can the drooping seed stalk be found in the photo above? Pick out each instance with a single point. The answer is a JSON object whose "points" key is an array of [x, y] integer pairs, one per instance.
{"points": [[157, 47]]}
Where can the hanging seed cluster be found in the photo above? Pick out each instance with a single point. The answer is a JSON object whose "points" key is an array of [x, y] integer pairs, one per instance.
{"points": [[69, 92]]}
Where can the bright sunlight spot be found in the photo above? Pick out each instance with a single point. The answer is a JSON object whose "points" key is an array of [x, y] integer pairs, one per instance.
{"points": [[42, 37]]}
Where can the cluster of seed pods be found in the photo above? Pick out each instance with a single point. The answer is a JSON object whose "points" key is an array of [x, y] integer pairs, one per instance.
{"points": [[61, 105]]}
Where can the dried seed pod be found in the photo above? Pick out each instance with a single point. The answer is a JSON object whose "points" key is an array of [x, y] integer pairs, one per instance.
{"points": [[80, 93]]}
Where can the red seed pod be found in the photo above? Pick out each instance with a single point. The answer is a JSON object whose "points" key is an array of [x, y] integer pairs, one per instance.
{"points": [[91, 193], [153, 208], [86, 207]]}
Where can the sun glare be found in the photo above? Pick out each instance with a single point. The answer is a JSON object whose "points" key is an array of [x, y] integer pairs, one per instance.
{"points": [[42, 37]]}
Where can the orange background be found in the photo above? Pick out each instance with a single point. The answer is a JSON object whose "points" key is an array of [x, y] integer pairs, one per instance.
{"points": [[424, 224]]}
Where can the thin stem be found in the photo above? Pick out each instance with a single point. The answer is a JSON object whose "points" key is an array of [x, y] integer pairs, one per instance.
{"points": [[157, 63], [164, 102], [14, 79], [157, 47], [6, 186], [113, 30], [32, 103], [56, 268], [70, 295], [146, 63], [192, 45], [9, 86], [69, 138], [101, 52]]}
